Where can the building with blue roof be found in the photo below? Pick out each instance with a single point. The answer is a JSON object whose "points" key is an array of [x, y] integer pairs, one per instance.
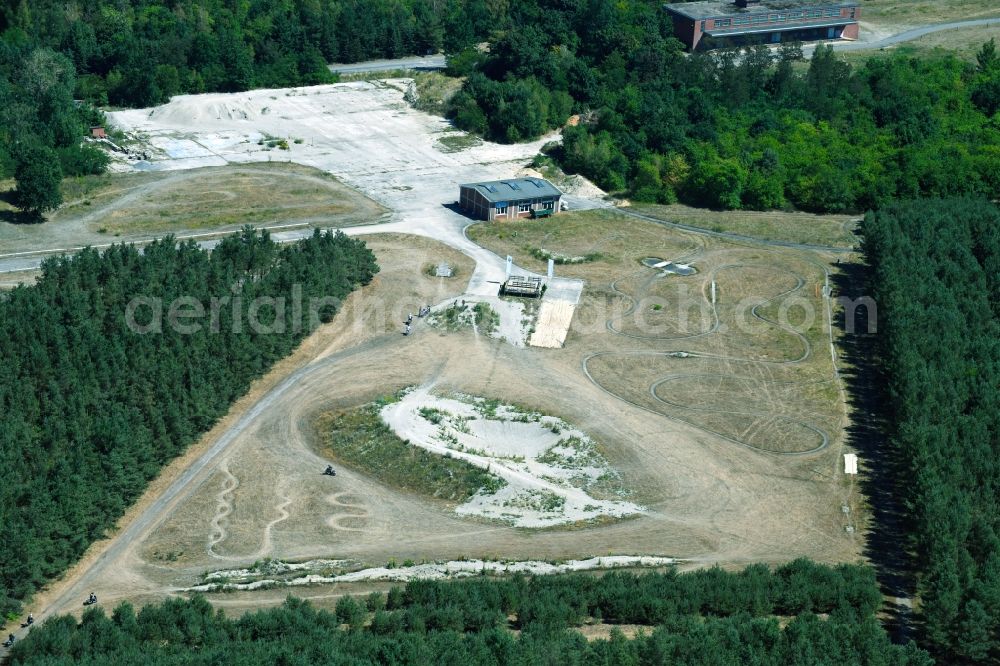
{"points": [[510, 199]]}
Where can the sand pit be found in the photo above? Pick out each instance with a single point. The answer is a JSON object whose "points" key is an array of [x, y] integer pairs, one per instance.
{"points": [[554, 473], [576, 184]]}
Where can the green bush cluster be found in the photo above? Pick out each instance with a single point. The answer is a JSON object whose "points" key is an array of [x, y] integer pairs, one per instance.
{"points": [[360, 439]]}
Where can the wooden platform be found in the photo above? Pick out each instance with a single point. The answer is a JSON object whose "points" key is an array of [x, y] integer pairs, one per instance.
{"points": [[516, 285]]}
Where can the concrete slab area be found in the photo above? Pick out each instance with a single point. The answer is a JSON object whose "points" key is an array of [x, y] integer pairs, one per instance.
{"points": [[365, 134]]}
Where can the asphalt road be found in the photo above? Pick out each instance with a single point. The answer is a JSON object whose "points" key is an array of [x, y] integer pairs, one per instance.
{"points": [[905, 36], [414, 62]]}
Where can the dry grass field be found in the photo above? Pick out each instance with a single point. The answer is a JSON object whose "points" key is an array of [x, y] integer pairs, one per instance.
{"points": [[720, 417], [745, 369], [227, 197], [908, 13], [113, 207], [963, 43], [796, 227]]}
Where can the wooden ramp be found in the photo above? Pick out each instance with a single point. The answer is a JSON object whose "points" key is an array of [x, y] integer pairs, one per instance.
{"points": [[554, 318]]}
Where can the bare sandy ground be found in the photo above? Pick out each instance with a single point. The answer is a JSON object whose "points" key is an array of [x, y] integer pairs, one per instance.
{"points": [[707, 500], [302, 573], [366, 135]]}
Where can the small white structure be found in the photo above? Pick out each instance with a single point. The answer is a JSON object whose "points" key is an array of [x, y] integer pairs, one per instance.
{"points": [[850, 463]]}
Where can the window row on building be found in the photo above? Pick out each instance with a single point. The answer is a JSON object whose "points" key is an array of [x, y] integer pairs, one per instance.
{"points": [[781, 17], [525, 206]]}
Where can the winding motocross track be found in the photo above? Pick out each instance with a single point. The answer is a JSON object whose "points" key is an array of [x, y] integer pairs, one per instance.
{"points": [[195, 475], [185, 484], [824, 437], [345, 513], [218, 533], [358, 512]]}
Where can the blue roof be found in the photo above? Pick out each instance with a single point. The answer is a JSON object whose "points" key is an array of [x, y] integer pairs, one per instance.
{"points": [[515, 189]]}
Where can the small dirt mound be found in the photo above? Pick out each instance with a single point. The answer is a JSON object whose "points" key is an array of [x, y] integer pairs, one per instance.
{"points": [[576, 184], [186, 109]]}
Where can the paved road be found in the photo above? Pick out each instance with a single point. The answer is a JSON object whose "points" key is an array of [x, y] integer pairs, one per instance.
{"points": [[905, 36], [27, 261], [413, 62]]}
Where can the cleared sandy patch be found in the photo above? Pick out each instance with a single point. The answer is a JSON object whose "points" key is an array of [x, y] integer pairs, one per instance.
{"points": [[431, 571], [457, 313], [552, 471], [575, 184]]}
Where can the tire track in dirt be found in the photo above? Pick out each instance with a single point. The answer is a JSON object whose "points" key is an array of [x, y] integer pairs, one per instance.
{"points": [[335, 521], [714, 327], [220, 521], [266, 545], [218, 531]]}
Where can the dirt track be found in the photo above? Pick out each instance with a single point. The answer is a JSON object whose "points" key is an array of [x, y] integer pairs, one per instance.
{"points": [[257, 490]]}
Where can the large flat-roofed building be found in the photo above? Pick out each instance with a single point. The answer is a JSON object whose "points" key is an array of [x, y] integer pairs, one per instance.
{"points": [[716, 23], [510, 199]]}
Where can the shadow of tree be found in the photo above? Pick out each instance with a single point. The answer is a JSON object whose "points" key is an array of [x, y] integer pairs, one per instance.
{"points": [[887, 545], [9, 197], [20, 217]]}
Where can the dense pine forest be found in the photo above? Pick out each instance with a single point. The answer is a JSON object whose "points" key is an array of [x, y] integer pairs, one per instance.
{"points": [[936, 268], [706, 617], [95, 400], [91, 409]]}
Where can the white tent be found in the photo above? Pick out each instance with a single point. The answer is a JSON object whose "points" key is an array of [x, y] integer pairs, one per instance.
{"points": [[850, 463]]}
